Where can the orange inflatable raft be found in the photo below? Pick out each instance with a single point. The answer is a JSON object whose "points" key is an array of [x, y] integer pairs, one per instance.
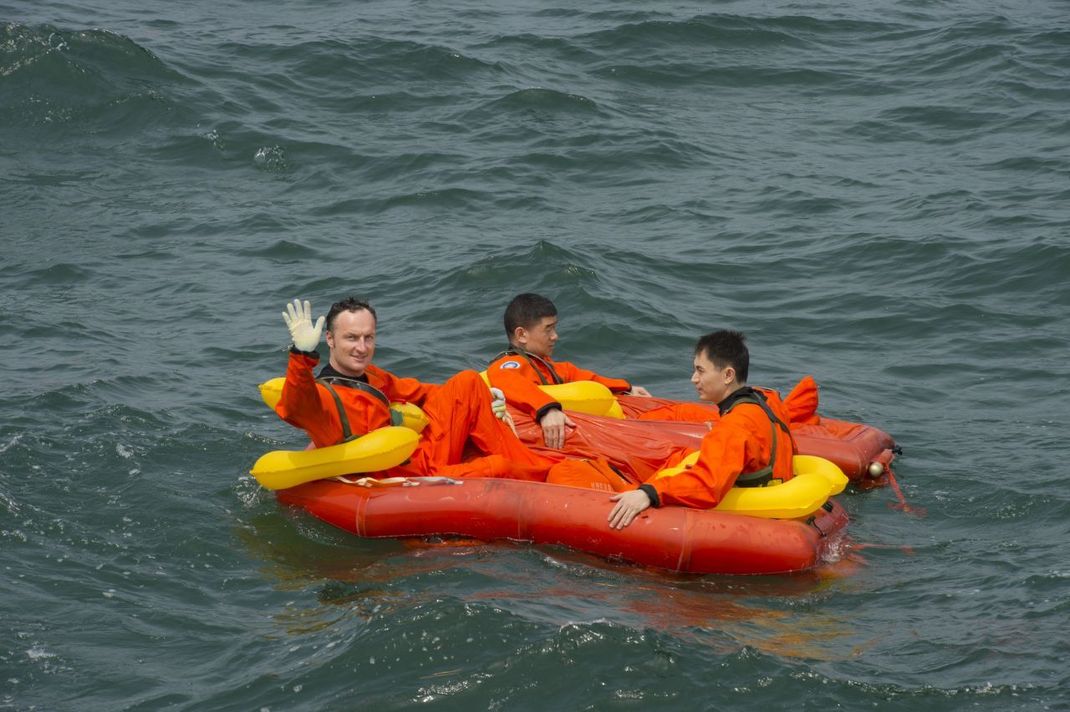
{"points": [[638, 447], [672, 538]]}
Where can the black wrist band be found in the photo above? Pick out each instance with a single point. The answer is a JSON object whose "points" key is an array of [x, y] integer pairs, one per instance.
{"points": [[655, 501], [546, 409]]}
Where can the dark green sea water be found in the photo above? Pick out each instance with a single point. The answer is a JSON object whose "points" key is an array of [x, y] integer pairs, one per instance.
{"points": [[877, 193]]}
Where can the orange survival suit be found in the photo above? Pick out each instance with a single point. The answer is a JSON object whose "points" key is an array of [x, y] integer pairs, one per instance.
{"points": [[520, 373], [336, 407], [749, 446]]}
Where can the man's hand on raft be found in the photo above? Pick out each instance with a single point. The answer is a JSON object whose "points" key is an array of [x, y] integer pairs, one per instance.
{"points": [[628, 506], [298, 318], [639, 391], [553, 428]]}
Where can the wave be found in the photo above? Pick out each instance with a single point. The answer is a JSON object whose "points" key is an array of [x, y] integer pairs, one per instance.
{"points": [[94, 79], [703, 31], [545, 100], [365, 61]]}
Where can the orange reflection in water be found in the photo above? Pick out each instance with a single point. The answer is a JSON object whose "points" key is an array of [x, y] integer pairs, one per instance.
{"points": [[777, 615]]}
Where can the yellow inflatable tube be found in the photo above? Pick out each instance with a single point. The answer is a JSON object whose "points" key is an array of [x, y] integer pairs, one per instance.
{"points": [[585, 397], [378, 450], [581, 396], [816, 479], [412, 416]]}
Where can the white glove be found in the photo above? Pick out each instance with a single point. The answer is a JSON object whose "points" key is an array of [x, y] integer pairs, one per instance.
{"points": [[298, 318], [497, 403]]}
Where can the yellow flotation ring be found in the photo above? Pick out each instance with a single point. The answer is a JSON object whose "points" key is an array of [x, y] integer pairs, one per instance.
{"points": [[581, 396], [816, 479], [412, 416], [378, 450], [586, 397]]}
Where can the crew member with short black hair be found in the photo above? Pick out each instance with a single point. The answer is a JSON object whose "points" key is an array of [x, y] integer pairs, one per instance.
{"points": [[531, 327], [750, 445]]}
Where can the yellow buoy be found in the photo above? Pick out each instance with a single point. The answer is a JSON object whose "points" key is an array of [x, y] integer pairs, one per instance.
{"points": [[816, 479], [378, 450], [581, 396]]}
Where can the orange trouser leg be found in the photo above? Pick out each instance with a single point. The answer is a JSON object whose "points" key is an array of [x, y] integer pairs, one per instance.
{"points": [[590, 474], [802, 402], [492, 466], [458, 413]]}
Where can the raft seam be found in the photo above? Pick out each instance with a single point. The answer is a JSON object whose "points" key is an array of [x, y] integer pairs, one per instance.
{"points": [[685, 547], [358, 515]]}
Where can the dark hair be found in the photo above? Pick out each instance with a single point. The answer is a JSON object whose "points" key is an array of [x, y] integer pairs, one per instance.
{"points": [[526, 310], [348, 304], [726, 348]]}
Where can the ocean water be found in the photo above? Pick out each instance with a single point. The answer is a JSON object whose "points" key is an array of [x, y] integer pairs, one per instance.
{"points": [[876, 193]]}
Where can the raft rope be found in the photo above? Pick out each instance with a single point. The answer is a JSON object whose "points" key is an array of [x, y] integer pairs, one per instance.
{"points": [[903, 505]]}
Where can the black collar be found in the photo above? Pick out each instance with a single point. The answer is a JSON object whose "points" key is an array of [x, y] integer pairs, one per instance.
{"points": [[329, 373], [741, 393]]}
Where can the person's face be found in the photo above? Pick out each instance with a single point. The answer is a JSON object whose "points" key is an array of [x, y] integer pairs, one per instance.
{"points": [[713, 384], [352, 341], [540, 338]]}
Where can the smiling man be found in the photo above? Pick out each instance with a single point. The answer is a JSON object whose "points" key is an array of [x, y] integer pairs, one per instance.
{"points": [[531, 326], [352, 396], [749, 446]]}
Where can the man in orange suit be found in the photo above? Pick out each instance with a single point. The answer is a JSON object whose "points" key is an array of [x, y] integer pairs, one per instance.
{"points": [[351, 396], [531, 326], [750, 445]]}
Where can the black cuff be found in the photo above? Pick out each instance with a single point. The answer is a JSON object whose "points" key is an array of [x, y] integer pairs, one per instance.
{"points": [[655, 501], [546, 409], [295, 350]]}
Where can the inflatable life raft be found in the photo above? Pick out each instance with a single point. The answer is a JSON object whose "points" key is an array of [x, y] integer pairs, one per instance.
{"points": [[672, 538], [638, 447], [756, 530], [611, 427], [788, 527]]}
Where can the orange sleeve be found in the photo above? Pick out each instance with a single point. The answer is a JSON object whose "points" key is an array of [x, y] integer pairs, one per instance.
{"points": [[722, 457], [520, 383], [686, 412], [571, 373], [303, 405], [403, 390]]}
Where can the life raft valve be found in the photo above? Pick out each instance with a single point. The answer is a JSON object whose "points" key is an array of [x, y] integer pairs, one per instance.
{"points": [[876, 469]]}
